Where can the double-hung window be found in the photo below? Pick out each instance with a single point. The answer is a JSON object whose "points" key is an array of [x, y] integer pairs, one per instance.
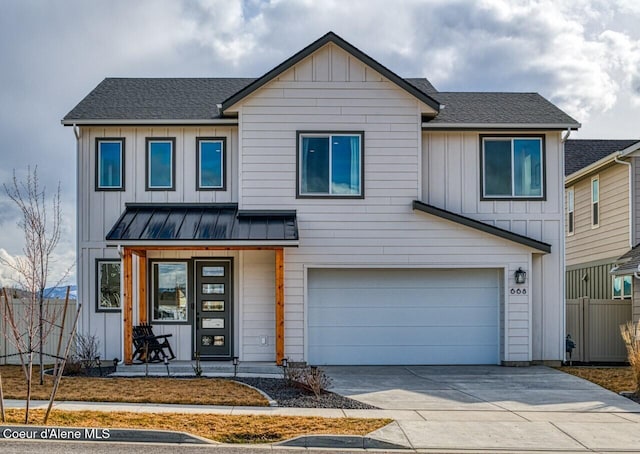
{"points": [[108, 285], [330, 164], [512, 167], [210, 162], [161, 164], [595, 202], [570, 211], [622, 287], [110, 164], [169, 291]]}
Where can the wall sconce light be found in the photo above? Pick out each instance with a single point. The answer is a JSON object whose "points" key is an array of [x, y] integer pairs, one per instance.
{"points": [[520, 276]]}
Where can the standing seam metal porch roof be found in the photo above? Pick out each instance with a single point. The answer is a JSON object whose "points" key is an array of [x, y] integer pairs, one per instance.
{"points": [[202, 223]]}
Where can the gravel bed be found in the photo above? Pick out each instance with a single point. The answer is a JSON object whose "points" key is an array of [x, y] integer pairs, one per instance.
{"points": [[291, 396]]}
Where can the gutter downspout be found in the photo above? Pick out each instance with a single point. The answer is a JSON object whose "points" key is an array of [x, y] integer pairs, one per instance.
{"points": [[628, 164], [563, 314]]}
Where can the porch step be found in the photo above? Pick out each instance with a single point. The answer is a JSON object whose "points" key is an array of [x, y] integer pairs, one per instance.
{"points": [[209, 369]]}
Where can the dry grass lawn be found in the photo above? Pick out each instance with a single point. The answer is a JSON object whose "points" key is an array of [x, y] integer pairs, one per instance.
{"points": [[612, 378], [200, 391], [222, 428]]}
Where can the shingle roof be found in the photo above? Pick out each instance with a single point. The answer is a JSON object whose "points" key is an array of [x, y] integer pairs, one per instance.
{"points": [[423, 84], [628, 263], [579, 153], [202, 222], [462, 108], [156, 99]]}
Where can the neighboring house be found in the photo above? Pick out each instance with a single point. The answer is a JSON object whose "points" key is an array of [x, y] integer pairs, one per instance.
{"points": [[602, 188], [329, 211]]}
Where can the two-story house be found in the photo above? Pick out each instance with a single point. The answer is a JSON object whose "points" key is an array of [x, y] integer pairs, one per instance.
{"points": [[329, 211], [602, 190]]}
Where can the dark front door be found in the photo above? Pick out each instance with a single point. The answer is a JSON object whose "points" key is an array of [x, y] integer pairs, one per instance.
{"points": [[213, 330]]}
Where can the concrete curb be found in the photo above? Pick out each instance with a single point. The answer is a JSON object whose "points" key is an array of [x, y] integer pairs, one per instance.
{"points": [[340, 442]]}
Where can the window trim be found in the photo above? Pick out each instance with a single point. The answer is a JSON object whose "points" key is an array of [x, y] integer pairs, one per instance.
{"points": [[98, 141], [595, 225], [151, 291], [300, 135], [148, 142], [223, 141], [543, 159], [622, 295], [571, 211], [98, 262]]}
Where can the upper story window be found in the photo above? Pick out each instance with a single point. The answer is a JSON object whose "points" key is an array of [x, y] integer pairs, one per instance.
{"points": [[210, 164], [570, 210], [161, 164], [622, 287], [595, 202], [512, 167], [110, 164], [330, 164]]}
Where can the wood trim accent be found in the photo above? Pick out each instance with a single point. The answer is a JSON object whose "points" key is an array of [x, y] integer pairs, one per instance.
{"points": [[143, 315], [127, 316], [140, 249], [279, 305]]}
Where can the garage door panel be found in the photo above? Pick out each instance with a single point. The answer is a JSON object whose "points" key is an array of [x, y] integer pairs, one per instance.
{"points": [[336, 297], [403, 316], [408, 316], [411, 336], [408, 355]]}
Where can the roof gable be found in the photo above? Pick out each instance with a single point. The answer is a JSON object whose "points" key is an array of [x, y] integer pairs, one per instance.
{"points": [[315, 46]]}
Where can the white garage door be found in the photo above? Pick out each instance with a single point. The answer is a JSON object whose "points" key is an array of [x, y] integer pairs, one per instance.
{"points": [[403, 316]]}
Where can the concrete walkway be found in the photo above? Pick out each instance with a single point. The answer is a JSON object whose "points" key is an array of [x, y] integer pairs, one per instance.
{"points": [[461, 409]]}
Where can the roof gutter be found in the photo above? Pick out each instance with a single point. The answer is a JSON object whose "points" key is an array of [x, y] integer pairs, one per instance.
{"points": [[115, 122], [630, 196], [453, 126]]}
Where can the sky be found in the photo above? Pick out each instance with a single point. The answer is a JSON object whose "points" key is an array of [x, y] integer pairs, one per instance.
{"points": [[583, 55]]}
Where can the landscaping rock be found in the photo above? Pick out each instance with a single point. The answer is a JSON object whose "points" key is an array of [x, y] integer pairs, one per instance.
{"points": [[291, 396]]}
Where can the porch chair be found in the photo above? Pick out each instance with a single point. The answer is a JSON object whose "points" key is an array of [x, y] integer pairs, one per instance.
{"points": [[149, 347]]}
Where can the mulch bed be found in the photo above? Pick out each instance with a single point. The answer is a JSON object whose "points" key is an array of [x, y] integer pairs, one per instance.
{"points": [[287, 395]]}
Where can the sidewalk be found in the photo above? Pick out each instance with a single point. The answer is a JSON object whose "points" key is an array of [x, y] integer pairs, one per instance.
{"points": [[439, 430]]}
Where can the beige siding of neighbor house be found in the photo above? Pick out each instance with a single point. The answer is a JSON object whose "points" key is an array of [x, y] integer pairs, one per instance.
{"points": [[332, 91], [611, 238]]}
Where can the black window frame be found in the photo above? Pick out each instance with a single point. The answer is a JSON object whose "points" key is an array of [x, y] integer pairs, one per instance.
{"points": [[223, 140], [97, 186], [151, 291], [543, 150], [148, 142], [98, 262], [299, 135]]}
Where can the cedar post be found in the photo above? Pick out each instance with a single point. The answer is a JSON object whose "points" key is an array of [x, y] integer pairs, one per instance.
{"points": [[279, 305], [142, 287], [127, 310]]}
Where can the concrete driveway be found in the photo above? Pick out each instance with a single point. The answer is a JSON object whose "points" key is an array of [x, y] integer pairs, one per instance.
{"points": [[492, 407]]}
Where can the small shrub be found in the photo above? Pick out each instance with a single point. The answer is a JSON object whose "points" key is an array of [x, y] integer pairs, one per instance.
{"points": [[631, 337], [309, 377], [86, 355], [197, 368]]}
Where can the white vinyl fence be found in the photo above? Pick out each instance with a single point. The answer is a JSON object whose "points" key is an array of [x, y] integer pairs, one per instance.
{"points": [[594, 326], [20, 308]]}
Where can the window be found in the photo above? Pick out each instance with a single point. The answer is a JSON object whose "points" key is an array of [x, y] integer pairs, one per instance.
{"points": [[512, 167], [161, 164], [595, 202], [210, 164], [570, 208], [109, 164], [169, 291], [330, 164], [108, 285], [622, 287]]}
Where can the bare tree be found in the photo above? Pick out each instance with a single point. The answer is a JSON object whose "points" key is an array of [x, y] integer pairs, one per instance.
{"points": [[41, 227]]}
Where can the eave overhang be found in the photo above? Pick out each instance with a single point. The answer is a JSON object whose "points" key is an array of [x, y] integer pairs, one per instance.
{"points": [[499, 126], [481, 226]]}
